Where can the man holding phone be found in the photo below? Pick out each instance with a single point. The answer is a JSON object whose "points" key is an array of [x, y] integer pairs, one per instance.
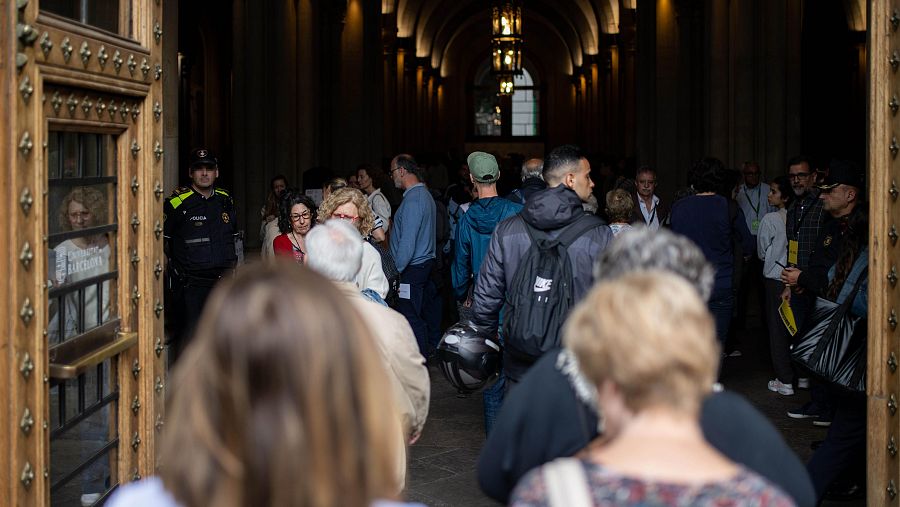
{"points": [[805, 219]]}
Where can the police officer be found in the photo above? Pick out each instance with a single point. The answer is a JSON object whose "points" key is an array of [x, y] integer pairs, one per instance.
{"points": [[200, 234]]}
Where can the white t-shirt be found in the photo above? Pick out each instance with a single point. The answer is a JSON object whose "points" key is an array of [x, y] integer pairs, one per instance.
{"points": [[651, 217], [380, 206], [370, 274], [72, 264]]}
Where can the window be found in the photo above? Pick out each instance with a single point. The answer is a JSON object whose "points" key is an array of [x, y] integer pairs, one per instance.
{"points": [[82, 232], [99, 13], [82, 277], [506, 116], [524, 106]]}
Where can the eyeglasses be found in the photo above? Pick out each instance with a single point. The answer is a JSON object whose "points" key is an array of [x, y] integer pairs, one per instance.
{"points": [[798, 176], [395, 169], [341, 216], [305, 216]]}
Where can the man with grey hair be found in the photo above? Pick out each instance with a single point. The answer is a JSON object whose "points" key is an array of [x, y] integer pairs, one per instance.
{"points": [[334, 249], [532, 181], [554, 412], [413, 245], [648, 208]]}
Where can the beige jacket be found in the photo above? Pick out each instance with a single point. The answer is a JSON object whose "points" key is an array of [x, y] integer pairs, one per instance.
{"points": [[400, 353]]}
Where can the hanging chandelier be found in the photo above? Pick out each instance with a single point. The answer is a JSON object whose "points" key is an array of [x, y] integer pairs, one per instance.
{"points": [[506, 84], [506, 42]]}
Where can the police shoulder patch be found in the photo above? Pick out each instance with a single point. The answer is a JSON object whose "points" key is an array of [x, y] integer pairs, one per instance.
{"points": [[225, 218]]}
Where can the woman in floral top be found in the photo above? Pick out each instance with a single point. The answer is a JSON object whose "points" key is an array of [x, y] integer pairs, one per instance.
{"points": [[647, 342]]}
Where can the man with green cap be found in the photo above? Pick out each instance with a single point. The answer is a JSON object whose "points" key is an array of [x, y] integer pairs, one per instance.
{"points": [[473, 237]]}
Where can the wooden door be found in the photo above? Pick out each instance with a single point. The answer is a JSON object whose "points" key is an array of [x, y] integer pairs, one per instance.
{"points": [[82, 358], [884, 260]]}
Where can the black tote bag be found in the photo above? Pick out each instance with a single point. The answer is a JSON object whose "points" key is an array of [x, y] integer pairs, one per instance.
{"points": [[832, 344]]}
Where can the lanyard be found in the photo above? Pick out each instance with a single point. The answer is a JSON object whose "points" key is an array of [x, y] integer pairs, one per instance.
{"points": [[754, 208]]}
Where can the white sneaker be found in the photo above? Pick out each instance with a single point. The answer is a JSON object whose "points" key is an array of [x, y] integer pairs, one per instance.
{"points": [[89, 499], [777, 386], [802, 383]]}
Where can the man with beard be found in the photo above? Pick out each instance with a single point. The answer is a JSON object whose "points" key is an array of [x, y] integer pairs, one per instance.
{"points": [[414, 250], [549, 217], [805, 219]]}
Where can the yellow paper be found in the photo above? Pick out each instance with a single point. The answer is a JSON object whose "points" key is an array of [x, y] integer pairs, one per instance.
{"points": [[793, 248], [787, 316]]}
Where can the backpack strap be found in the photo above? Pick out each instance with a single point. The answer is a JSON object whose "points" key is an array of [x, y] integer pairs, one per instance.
{"points": [[577, 229], [569, 235], [567, 483]]}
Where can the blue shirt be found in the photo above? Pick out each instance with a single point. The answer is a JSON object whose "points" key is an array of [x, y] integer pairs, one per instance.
{"points": [[412, 233]]}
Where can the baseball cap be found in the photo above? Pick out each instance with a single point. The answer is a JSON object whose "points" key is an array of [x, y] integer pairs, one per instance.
{"points": [[843, 172], [202, 157], [483, 167]]}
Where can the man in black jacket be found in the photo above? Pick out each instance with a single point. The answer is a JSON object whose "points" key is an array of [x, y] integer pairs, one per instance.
{"points": [[551, 211], [532, 181]]}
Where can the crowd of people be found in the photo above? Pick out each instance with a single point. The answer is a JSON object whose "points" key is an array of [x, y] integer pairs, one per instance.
{"points": [[607, 329]]}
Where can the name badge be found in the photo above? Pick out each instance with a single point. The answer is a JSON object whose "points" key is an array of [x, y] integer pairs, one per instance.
{"points": [[754, 227], [793, 248]]}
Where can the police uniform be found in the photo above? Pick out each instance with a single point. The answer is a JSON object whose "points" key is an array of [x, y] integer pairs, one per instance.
{"points": [[200, 233], [200, 237]]}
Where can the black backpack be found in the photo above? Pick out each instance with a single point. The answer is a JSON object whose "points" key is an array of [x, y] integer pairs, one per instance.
{"points": [[390, 272], [541, 293]]}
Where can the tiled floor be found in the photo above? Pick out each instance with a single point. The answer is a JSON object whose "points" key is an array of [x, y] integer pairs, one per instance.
{"points": [[442, 464]]}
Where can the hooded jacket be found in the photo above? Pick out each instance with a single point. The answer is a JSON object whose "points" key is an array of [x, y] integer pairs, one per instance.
{"points": [[473, 237], [551, 211]]}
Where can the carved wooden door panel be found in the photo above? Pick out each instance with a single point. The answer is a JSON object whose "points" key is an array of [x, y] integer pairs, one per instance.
{"points": [[884, 253], [82, 362]]}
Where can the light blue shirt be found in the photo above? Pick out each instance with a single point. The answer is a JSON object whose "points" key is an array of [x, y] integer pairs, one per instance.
{"points": [[412, 233], [754, 202]]}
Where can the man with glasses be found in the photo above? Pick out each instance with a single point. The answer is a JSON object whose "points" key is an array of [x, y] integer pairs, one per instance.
{"points": [[200, 232], [413, 246], [805, 219]]}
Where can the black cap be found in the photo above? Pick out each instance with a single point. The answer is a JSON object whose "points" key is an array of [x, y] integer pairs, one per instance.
{"points": [[202, 157], [844, 172]]}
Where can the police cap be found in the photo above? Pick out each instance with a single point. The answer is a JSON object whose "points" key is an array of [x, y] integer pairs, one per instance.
{"points": [[203, 157]]}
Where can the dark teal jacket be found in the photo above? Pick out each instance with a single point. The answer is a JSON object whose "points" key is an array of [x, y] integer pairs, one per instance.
{"points": [[473, 236]]}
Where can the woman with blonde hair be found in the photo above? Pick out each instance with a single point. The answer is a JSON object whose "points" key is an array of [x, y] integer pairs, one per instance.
{"points": [[647, 343], [77, 259], [351, 205], [280, 400]]}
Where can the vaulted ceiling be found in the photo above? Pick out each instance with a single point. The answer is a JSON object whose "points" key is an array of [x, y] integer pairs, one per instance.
{"points": [[438, 28]]}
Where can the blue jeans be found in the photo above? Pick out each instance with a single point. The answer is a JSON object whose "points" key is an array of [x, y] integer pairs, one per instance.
{"points": [[721, 304], [493, 400]]}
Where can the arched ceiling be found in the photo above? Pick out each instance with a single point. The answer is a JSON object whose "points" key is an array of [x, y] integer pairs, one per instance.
{"points": [[434, 24], [856, 14]]}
